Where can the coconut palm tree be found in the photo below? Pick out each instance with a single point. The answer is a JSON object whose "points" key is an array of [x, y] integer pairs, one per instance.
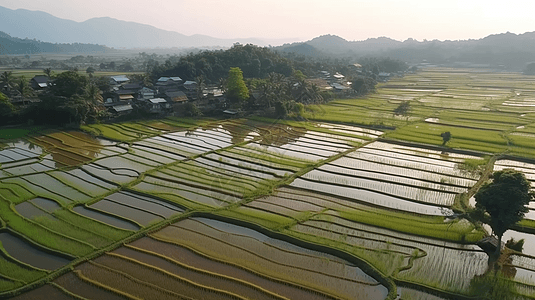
{"points": [[24, 89], [201, 84], [7, 80], [92, 101]]}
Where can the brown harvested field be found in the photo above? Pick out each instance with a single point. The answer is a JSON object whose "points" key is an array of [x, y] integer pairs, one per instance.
{"points": [[72, 283], [191, 258], [160, 279]]}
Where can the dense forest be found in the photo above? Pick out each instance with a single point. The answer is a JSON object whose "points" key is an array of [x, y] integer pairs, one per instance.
{"points": [[259, 62]]}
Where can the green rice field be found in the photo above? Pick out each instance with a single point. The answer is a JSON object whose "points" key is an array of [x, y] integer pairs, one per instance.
{"points": [[355, 203]]}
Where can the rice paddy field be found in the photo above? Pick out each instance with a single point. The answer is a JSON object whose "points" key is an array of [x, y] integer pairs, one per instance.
{"points": [[332, 208]]}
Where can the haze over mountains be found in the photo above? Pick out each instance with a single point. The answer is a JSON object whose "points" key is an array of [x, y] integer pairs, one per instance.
{"points": [[505, 50], [106, 31]]}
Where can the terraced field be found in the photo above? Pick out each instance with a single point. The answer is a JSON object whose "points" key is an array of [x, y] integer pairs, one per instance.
{"points": [[265, 209]]}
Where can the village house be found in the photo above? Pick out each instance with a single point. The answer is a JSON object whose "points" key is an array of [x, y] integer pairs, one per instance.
{"points": [[158, 105], [39, 82], [190, 89], [146, 93], [169, 81], [176, 96], [118, 80]]}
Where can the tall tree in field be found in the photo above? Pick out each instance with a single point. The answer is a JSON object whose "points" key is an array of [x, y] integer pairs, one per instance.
{"points": [[48, 72], [446, 137], [237, 91], [504, 199]]}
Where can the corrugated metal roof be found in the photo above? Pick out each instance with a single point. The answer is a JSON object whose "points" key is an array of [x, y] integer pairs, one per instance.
{"points": [[120, 108], [161, 79], [176, 78], [119, 78], [157, 100], [126, 97]]}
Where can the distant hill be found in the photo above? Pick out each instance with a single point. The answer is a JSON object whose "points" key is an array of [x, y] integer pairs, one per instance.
{"points": [[11, 45], [103, 31], [304, 49], [507, 50]]}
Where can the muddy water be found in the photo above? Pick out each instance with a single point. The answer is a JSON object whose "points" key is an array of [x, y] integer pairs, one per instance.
{"points": [[302, 264], [29, 211], [245, 164], [27, 253], [118, 175], [229, 169], [158, 152], [193, 259], [183, 192], [86, 177], [152, 205], [137, 215], [46, 204], [71, 180], [290, 203], [113, 221], [45, 292], [407, 293], [119, 162], [235, 287], [72, 283]]}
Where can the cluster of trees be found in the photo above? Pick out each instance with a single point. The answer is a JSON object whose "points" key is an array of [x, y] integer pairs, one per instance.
{"points": [[254, 61], [286, 94], [71, 99]]}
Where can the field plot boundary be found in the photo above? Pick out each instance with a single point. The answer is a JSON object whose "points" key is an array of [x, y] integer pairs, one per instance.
{"points": [[362, 264]]}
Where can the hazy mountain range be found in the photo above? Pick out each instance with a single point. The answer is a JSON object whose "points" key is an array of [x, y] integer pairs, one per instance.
{"points": [[106, 31], [13, 45], [505, 50]]}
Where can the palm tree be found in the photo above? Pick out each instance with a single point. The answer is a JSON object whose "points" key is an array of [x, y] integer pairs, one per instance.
{"points": [[92, 101], [24, 89], [201, 84], [8, 80]]}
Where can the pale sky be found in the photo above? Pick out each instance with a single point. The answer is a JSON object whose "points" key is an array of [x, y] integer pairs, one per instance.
{"points": [[306, 19]]}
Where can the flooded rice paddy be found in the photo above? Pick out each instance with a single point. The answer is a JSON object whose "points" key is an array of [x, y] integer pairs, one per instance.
{"points": [[88, 195]]}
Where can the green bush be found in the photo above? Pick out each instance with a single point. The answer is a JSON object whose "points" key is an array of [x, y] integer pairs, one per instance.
{"points": [[515, 245]]}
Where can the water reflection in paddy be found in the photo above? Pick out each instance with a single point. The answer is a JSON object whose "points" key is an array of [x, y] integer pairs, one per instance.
{"points": [[104, 218], [27, 253]]}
